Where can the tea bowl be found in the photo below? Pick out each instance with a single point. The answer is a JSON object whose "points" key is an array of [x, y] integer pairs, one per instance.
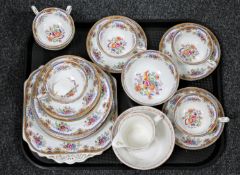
{"points": [[150, 78]]}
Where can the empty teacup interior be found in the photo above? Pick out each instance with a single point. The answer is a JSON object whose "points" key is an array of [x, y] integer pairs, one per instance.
{"points": [[53, 27], [195, 114], [192, 45], [66, 81], [117, 38], [135, 131]]}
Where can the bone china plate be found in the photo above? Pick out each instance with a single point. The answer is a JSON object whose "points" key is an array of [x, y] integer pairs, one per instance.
{"points": [[150, 78], [75, 109], [187, 71], [187, 141], [53, 28], [86, 125], [113, 40], [158, 152], [58, 150]]}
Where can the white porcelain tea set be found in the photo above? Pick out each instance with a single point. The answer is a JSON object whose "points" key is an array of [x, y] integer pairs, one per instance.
{"points": [[70, 104]]}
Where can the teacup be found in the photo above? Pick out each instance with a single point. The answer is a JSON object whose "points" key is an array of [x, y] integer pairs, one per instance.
{"points": [[196, 115], [66, 81], [135, 131], [117, 38], [192, 45], [53, 28]]}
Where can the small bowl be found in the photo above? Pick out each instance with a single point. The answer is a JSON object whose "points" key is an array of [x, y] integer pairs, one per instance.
{"points": [[150, 78], [192, 45], [117, 38], [196, 114], [53, 28], [66, 81]]}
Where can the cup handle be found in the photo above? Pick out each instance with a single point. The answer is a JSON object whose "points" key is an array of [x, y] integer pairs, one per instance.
{"points": [[69, 9], [117, 142], [211, 63], [157, 118], [34, 9], [223, 119]]}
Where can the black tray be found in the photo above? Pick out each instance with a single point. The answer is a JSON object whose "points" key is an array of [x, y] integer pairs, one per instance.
{"points": [[181, 158]]}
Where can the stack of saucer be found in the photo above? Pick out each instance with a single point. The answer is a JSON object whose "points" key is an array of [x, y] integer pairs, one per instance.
{"points": [[68, 109]]}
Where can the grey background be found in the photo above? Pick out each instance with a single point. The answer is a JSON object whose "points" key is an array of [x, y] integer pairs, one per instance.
{"points": [[223, 17]]}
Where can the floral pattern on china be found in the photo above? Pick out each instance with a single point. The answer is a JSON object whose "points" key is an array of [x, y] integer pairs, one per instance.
{"points": [[192, 118], [117, 45], [55, 33], [188, 52], [148, 84]]}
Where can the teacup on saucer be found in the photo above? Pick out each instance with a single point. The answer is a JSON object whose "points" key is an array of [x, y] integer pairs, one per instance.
{"points": [[150, 78], [192, 45], [53, 28], [136, 131], [80, 99], [186, 71], [196, 115], [152, 153], [188, 141], [113, 40]]}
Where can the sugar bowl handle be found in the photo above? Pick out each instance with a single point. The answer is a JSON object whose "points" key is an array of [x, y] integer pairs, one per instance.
{"points": [[69, 9], [34, 9], [223, 119]]}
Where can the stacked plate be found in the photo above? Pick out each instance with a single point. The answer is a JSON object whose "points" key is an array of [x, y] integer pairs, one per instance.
{"points": [[69, 105]]}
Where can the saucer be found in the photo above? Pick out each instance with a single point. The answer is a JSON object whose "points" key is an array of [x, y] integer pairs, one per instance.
{"points": [[192, 45], [66, 81], [59, 150], [113, 40], [77, 108], [150, 78], [158, 152], [53, 28], [186, 71], [187, 141], [86, 125]]}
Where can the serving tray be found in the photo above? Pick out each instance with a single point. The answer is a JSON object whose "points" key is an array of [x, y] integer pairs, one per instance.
{"points": [[181, 158]]}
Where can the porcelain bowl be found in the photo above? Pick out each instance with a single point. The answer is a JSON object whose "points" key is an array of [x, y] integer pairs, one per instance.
{"points": [[150, 78], [53, 28]]}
